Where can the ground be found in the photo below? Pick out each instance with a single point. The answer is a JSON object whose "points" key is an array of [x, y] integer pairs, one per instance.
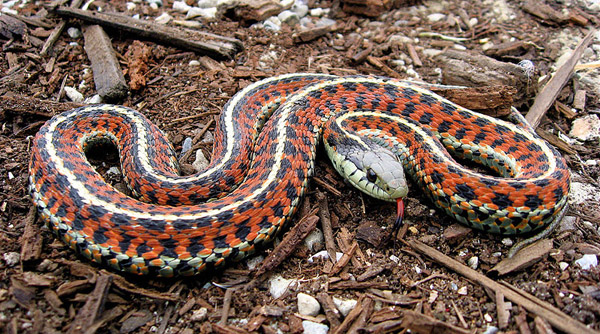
{"points": [[45, 287]]}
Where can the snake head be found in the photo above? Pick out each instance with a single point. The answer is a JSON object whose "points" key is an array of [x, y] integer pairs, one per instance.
{"points": [[374, 170]]}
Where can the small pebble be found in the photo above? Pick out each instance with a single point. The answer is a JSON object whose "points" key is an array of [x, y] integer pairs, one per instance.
{"points": [[473, 262], [563, 265], [207, 13], [181, 6], [462, 291], [587, 261], [254, 262], [11, 258], [300, 9], [194, 63], [200, 314], [317, 12], [201, 162], [344, 305], [314, 328], [435, 17], [94, 99], [324, 255], [308, 305], [186, 145], [314, 240], [507, 242], [163, 18], [279, 285], [487, 317], [288, 17], [272, 23], [130, 6], [73, 94], [74, 32], [113, 171]]}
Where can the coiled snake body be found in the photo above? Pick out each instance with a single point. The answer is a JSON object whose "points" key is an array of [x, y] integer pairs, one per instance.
{"points": [[271, 130]]}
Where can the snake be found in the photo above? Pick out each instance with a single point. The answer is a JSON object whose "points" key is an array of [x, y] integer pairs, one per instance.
{"points": [[374, 129]]}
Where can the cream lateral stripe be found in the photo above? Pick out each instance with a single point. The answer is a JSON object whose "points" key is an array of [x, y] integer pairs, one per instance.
{"points": [[430, 141], [229, 123], [111, 207]]}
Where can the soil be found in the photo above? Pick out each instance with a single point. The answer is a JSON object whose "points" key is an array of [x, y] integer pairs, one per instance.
{"points": [[47, 288]]}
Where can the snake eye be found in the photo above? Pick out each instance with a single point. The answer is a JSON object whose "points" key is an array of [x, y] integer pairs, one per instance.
{"points": [[371, 176]]}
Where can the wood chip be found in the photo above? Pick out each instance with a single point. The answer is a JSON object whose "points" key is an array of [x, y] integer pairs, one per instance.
{"points": [[551, 90], [289, 243], [108, 76], [524, 259], [421, 323], [93, 307], [188, 39]]}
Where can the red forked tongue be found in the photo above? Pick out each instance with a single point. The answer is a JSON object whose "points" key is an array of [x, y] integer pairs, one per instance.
{"points": [[399, 217]]}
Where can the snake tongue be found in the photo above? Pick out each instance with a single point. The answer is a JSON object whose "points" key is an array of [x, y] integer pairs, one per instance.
{"points": [[399, 217]]}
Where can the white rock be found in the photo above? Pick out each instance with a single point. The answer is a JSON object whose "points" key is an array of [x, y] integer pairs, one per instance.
{"points": [[201, 162], [194, 63], [94, 99], [130, 6], [254, 262], [208, 13], [163, 18], [586, 128], [308, 305], [181, 6], [314, 327], [324, 255], [272, 23], [74, 32], [462, 291], [563, 265], [279, 285], [156, 3], [9, 11], [113, 171], [300, 9], [314, 240], [207, 3], [487, 317], [473, 21], [287, 3], [436, 17], [507, 242], [325, 22], [317, 12], [199, 314], [73, 94], [288, 17], [587, 261], [344, 305], [473, 262], [11, 258]]}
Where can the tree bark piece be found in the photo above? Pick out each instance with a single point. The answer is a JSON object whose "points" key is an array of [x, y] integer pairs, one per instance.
{"points": [[549, 93], [108, 76], [553, 315], [202, 42], [476, 70]]}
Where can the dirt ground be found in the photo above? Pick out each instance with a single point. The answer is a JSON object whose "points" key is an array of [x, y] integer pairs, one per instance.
{"points": [[46, 288]]}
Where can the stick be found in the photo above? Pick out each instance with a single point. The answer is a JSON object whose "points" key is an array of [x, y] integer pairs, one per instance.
{"points": [[549, 93], [553, 315], [218, 46]]}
